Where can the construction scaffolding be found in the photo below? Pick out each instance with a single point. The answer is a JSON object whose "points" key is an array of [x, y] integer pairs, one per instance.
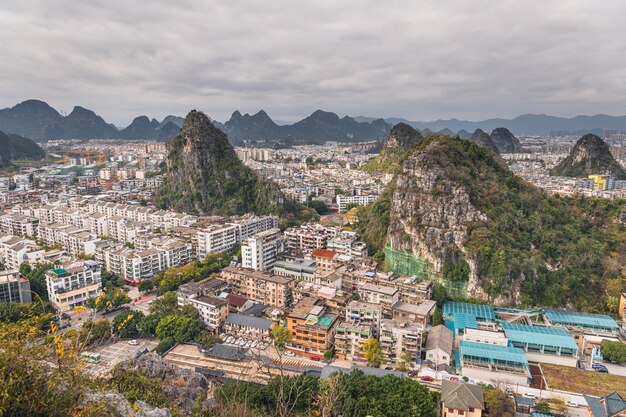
{"points": [[403, 262]]}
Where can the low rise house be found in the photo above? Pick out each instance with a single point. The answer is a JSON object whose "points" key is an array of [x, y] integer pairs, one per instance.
{"points": [[242, 325], [439, 345], [213, 310], [461, 399], [311, 327]]}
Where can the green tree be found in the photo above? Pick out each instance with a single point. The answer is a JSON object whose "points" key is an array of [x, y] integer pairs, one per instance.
{"points": [[543, 407], [145, 285], [373, 352], [179, 328], [110, 299], [437, 317], [165, 345], [96, 331], [167, 304], [127, 324], [404, 364], [613, 351], [497, 403], [281, 336], [149, 324]]}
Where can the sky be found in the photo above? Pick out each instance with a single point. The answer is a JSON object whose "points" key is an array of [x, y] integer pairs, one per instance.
{"points": [[421, 60]]}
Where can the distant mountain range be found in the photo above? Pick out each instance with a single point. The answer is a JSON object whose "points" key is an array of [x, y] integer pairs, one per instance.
{"points": [[526, 124], [37, 120]]}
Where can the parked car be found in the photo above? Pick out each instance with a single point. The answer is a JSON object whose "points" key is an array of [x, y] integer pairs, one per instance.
{"points": [[529, 395], [572, 404], [133, 342], [290, 354], [315, 358], [602, 370], [427, 378], [248, 343], [254, 344], [454, 379]]}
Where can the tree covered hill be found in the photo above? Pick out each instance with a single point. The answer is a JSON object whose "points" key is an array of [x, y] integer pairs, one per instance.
{"points": [[15, 147], [454, 205], [590, 155]]}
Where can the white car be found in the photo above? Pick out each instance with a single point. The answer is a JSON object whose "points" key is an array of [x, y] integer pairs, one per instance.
{"points": [[290, 354], [254, 344], [572, 404], [133, 342], [262, 346], [230, 339], [529, 395], [248, 343]]}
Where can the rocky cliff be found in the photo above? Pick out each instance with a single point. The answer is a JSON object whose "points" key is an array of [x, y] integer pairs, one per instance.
{"points": [[590, 155], [401, 139], [456, 206], [204, 175], [480, 138]]}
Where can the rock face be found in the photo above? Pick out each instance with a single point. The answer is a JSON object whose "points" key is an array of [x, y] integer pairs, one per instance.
{"points": [[204, 175], [504, 141], [402, 136], [430, 214], [590, 155], [14, 147], [481, 138]]}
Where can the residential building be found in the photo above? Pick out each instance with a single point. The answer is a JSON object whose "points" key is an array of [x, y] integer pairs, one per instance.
{"points": [[400, 338], [14, 288], [73, 285], [299, 269], [251, 327], [260, 251], [460, 399], [365, 313], [213, 310], [438, 347], [270, 289], [349, 340], [311, 327], [212, 287], [420, 313], [216, 239], [343, 201], [324, 260], [384, 295]]}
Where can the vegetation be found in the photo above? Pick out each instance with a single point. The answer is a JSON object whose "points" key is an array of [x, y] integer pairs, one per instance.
{"points": [[613, 351], [554, 248], [497, 403], [373, 352], [13, 147], [354, 394], [127, 324], [145, 285], [172, 278], [588, 382], [109, 300], [95, 331], [37, 278]]}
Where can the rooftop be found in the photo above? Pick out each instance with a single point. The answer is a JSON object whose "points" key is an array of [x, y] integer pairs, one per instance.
{"points": [[248, 321], [508, 354], [539, 335], [461, 396], [576, 318], [480, 311]]}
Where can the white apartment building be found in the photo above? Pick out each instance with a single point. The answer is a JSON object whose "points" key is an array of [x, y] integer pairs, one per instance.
{"points": [[343, 201], [73, 285], [18, 225], [219, 238], [260, 251], [248, 225], [213, 310], [15, 250], [397, 338]]}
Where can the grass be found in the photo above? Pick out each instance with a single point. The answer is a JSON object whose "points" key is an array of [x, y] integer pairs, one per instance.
{"points": [[587, 382]]}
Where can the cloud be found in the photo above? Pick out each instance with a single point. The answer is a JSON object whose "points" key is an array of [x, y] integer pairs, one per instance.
{"points": [[416, 59]]}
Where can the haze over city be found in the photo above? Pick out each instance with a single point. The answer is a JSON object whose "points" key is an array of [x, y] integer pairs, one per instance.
{"points": [[418, 60]]}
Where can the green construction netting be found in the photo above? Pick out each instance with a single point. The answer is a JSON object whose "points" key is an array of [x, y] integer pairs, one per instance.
{"points": [[406, 263]]}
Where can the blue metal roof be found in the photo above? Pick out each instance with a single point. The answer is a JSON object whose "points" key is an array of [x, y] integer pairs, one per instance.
{"points": [[463, 321], [539, 335], [493, 353], [480, 311], [576, 318]]}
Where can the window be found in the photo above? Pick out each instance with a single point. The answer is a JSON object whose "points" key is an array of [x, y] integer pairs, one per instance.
{"points": [[461, 412], [471, 410]]}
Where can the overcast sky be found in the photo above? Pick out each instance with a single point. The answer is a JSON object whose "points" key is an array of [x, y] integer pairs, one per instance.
{"points": [[421, 60]]}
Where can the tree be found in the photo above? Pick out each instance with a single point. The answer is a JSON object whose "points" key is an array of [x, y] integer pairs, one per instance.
{"points": [[613, 351], [95, 331], [373, 352], [542, 407], [127, 324], [281, 336], [437, 317], [110, 299], [206, 339], [179, 328], [405, 362], [166, 305], [165, 345], [145, 285], [497, 403], [150, 322]]}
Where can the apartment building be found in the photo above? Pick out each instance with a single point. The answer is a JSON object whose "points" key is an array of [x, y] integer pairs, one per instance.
{"points": [[349, 340], [384, 295], [212, 287], [306, 237], [216, 239], [249, 225], [213, 310], [343, 201], [251, 327], [18, 225], [311, 327], [420, 314], [398, 338], [298, 269], [270, 289], [72, 285], [365, 313], [14, 288], [260, 251], [324, 259], [15, 250]]}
